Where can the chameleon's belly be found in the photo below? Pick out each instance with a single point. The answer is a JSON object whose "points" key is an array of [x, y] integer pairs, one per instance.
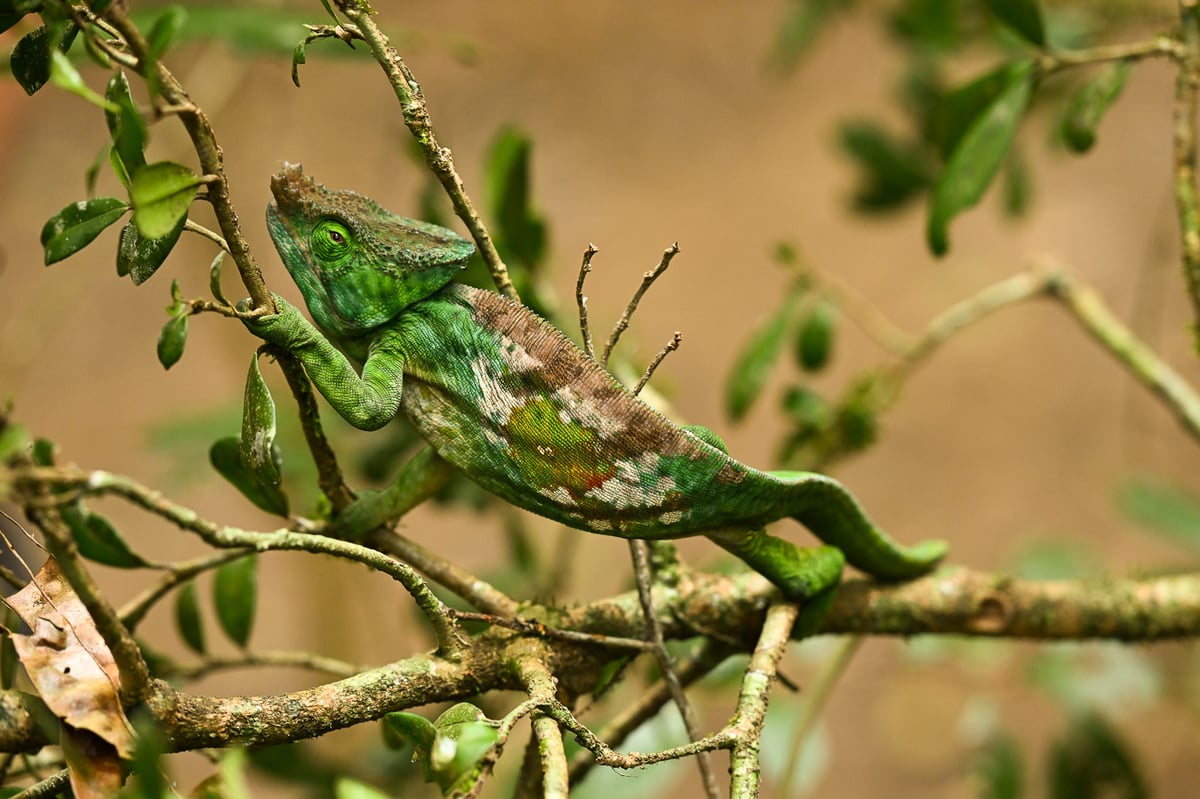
{"points": [[545, 461]]}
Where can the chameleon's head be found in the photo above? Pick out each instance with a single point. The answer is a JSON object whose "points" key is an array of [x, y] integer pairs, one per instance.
{"points": [[358, 265]]}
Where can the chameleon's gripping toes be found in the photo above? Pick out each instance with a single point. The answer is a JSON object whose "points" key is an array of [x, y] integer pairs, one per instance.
{"points": [[505, 397]]}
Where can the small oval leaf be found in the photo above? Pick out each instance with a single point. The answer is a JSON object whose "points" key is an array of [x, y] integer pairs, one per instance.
{"points": [[258, 427], [139, 256], [125, 126], [214, 278], [1023, 16], [164, 30], [99, 541], [161, 194], [30, 60], [754, 364], [1090, 102], [815, 341], [979, 154], [188, 619], [225, 456], [172, 340], [401, 729], [75, 226], [235, 596]]}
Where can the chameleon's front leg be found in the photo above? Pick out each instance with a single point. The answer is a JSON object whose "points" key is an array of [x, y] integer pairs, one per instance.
{"points": [[419, 479]]}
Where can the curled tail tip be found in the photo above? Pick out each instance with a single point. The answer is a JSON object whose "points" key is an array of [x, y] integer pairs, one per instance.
{"points": [[929, 554]]}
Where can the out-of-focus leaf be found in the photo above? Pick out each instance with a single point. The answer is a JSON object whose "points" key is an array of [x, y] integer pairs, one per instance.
{"points": [[1166, 510], [172, 339], [802, 22], [346, 788], [978, 155], [163, 31], [929, 25], [75, 226], [298, 57], [125, 126], [401, 729], [10, 18], [815, 340], [147, 756], [139, 256], [188, 620], [235, 596], [67, 660], [99, 541], [8, 654], [892, 172], [64, 75], [753, 365], [1017, 187], [1094, 760], [225, 456], [258, 427], [13, 438], [520, 230], [161, 194], [43, 452], [1090, 102], [998, 768], [956, 111], [1023, 16]]}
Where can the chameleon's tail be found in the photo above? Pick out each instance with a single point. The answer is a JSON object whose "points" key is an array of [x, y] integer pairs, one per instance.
{"points": [[826, 508]]}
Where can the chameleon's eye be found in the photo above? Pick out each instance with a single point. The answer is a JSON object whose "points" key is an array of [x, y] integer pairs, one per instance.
{"points": [[330, 240]]}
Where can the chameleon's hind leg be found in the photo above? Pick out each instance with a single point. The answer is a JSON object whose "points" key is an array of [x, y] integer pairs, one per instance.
{"points": [[800, 574], [419, 479]]}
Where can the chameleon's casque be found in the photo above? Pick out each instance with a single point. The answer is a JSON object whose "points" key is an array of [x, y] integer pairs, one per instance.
{"points": [[505, 397]]}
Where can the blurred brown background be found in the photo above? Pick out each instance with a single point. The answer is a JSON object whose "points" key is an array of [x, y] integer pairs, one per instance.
{"points": [[654, 123]]}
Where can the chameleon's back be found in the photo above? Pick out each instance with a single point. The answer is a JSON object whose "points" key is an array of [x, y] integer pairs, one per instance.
{"points": [[549, 430]]}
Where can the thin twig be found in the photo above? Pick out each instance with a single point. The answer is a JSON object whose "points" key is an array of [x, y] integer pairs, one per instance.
{"points": [[136, 609], [1187, 104], [670, 347], [211, 235], [303, 660], [638, 550], [533, 627], [748, 720], [416, 118], [585, 332], [647, 281], [451, 640], [51, 786], [1162, 45]]}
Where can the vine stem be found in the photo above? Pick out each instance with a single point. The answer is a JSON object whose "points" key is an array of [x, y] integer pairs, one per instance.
{"points": [[1187, 103], [416, 118]]}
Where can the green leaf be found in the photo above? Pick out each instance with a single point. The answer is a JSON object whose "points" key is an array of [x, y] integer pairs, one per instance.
{"points": [[815, 341], [892, 172], [1090, 102], [64, 75], [98, 540], [139, 256], [150, 746], [401, 729], [999, 769], [519, 229], [214, 278], [164, 29], [225, 456], [1023, 16], [172, 339], [235, 595], [753, 365], [1017, 189], [1093, 760], [188, 619], [13, 439], [126, 127], [1169, 511], [258, 427], [929, 26], [953, 113], [346, 788], [30, 61], [161, 194], [75, 226], [8, 653], [978, 155], [43, 452], [802, 22], [464, 735], [298, 58], [10, 18]]}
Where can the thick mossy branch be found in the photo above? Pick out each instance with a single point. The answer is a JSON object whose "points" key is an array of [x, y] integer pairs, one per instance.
{"points": [[731, 610]]}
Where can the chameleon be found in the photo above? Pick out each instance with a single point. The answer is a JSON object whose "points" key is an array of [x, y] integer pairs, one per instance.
{"points": [[503, 396]]}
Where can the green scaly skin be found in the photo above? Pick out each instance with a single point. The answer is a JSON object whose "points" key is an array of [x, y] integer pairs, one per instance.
{"points": [[505, 397]]}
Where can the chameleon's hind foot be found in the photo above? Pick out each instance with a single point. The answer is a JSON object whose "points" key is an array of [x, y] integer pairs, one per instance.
{"points": [[800, 574]]}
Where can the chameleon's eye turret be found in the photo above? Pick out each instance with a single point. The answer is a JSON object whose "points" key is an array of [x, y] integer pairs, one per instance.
{"points": [[330, 241]]}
